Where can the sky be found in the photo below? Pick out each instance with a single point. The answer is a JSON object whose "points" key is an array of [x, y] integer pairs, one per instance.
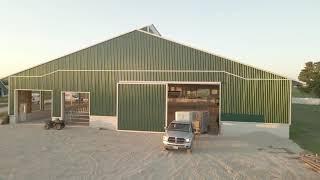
{"points": [[279, 36]]}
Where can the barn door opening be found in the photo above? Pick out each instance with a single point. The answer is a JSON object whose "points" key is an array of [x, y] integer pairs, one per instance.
{"points": [[195, 102], [76, 108], [33, 106]]}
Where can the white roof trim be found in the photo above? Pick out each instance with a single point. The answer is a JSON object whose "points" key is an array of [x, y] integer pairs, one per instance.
{"points": [[149, 70]]}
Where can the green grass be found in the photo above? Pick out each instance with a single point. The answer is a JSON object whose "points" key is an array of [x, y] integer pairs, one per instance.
{"points": [[4, 99], [300, 94], [305, 127]]}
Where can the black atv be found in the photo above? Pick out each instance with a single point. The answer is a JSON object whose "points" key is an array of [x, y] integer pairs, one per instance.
{"points": [[57, 123]]}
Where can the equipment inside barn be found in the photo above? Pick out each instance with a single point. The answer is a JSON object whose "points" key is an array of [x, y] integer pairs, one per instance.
{"points": [[199, 119], [195, 99], [33, 106], [76, 108]]}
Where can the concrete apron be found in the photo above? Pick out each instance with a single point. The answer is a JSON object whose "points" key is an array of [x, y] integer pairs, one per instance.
{"points": [[231, 128]]}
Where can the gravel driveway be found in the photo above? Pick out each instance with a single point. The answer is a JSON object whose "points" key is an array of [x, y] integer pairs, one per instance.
{"points": [[29, 152]]}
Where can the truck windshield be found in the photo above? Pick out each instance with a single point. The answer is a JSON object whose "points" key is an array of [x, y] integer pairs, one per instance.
{"points": [[179, 127]]}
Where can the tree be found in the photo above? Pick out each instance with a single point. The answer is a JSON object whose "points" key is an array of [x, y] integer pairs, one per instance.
{"points": [[311, 75]]}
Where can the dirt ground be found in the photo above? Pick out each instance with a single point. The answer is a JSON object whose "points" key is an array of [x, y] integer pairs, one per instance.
{"points": [[29, 152]]}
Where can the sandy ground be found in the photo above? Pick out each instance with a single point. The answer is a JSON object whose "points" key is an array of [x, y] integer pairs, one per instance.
{"points": [[29, 152]]}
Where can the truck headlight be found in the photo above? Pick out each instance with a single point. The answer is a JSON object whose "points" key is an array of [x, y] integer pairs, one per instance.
{"points": [[187, 140], [165, 138]]}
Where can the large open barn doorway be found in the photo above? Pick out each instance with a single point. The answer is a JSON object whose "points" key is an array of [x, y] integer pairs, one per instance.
{"points": [[195, 101], [76, 108], [33, 106]]}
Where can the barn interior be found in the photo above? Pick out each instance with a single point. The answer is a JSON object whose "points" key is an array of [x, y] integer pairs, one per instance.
{"points": [[200, 98]]}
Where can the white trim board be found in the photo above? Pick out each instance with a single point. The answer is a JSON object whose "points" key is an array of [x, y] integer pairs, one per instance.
{"points": [[220, 109], [139, 131], [9, 98], [117, 104], [142, 82], [34, 89], [144, 70], [167, 93], [170, 82], [290, 103]]}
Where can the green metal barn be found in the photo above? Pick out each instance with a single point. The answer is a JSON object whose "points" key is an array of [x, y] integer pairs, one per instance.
{"points": [[130, 81]]}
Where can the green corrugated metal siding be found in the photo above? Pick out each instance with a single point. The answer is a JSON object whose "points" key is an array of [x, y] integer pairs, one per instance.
{"points": [[142, 107], [141, 51]]}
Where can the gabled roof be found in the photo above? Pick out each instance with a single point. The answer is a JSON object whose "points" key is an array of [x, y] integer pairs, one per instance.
{"points": [[151, 30]]}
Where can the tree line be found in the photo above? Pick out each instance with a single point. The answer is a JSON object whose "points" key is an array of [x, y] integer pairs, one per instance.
{"points": [[310, 74]]}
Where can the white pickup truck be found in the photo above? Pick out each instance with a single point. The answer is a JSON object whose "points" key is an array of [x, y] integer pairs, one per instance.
{"points": [[179, 135]]}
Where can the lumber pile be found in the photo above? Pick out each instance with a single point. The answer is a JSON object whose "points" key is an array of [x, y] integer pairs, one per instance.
{"points": [[313, 161]]}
